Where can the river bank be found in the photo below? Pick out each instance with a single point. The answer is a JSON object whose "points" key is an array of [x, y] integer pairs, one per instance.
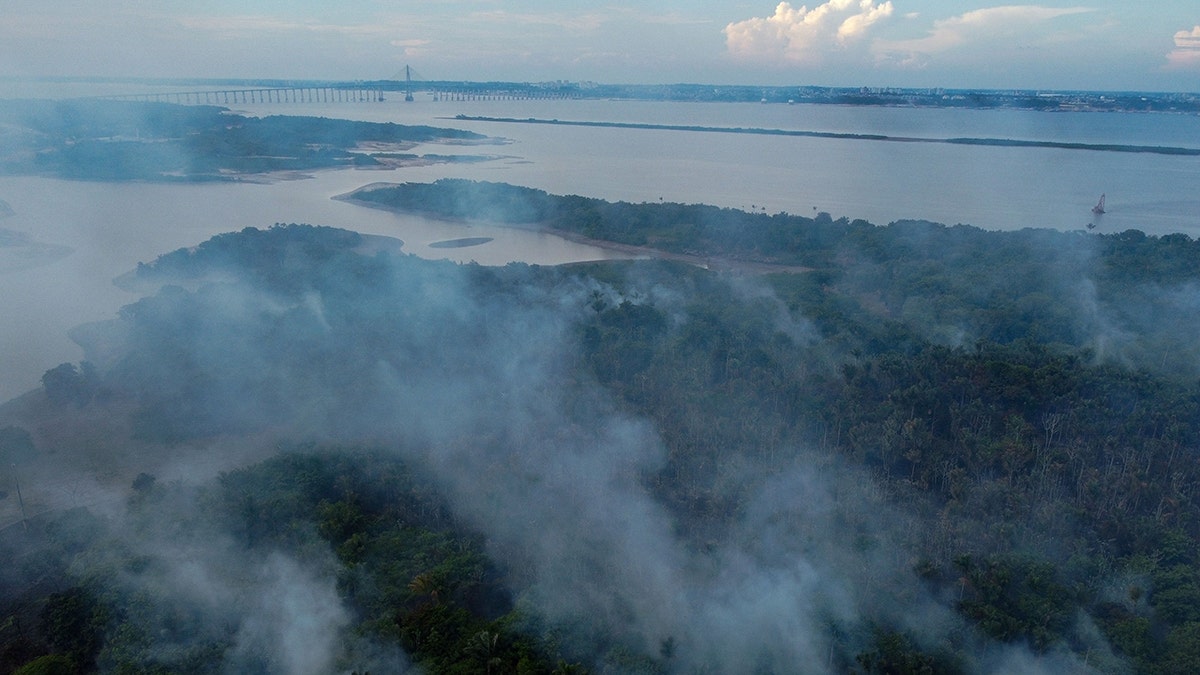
{"points": [[628, 251]]}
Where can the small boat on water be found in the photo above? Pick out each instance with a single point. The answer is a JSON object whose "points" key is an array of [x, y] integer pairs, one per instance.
{"points": [[1099, 207]]}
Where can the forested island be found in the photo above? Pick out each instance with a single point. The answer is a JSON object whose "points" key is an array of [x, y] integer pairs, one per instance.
{"points": [[115, 140], [936, 449]]}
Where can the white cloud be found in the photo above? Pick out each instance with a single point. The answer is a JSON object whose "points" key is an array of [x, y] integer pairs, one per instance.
{"points": [[1015, 26], [1186, 54], [805, 36]]}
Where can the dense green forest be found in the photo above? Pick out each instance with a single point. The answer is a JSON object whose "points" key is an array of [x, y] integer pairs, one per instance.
{"points": [[939, 450], [113, 140], [1126, 296]]}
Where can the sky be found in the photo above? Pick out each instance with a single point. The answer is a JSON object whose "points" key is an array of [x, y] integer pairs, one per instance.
{"points": [[1099, 44]]}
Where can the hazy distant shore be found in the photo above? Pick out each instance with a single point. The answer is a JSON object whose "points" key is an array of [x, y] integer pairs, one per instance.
{"points": [[132, 141], [1005, 142]]}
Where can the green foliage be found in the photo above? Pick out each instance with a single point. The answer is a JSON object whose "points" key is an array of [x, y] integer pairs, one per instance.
{"points": [[50, 664], [1182, 649], [620, 343], [1016, 599], [1176, 595], [1125, 292], [894, 653], [276, 257], [411, 576], [671, 227], [949, 364], [1129, 633], [74, 623], [66, 384]]}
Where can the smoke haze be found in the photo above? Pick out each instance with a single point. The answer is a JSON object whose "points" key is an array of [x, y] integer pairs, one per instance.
{"points": [[623, 440], [475, 376]]}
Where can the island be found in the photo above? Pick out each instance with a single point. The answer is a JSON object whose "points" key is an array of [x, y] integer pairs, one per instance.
{"points": [[98, 139], [462, 242]]}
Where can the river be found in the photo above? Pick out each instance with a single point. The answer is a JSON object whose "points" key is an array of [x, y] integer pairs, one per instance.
{"points": [[110, 227], [999, 188]]}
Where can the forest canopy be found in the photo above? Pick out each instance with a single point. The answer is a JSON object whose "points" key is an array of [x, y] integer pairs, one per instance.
{"points": [[939, 449]]}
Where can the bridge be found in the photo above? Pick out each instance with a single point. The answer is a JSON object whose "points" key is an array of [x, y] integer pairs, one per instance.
{"points": [[348, 93], [295, 94], [403, 84]]}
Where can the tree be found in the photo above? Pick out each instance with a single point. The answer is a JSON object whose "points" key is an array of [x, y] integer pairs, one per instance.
{"points": [[67, 384], [482, 646], [1182, 649], [73, 622], [50, 664]]}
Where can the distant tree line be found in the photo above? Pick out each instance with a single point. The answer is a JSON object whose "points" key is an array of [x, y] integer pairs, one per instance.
{"points": [[112, 140]]}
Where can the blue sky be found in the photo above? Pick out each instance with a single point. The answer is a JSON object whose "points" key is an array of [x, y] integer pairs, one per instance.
{"points": [[1102, 44]]}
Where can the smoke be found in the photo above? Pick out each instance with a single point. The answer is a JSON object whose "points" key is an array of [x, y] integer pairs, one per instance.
{"points": [[474, 375], [797, 327], [170, 565], [958, 285], [296, 617], [788, 579]]}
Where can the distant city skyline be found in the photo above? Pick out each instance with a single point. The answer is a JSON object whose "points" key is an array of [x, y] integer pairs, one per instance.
{"points": [[1099, 45]]}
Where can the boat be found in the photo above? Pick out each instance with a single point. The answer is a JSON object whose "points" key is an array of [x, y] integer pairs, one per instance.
{"points": [[1099, 207]]}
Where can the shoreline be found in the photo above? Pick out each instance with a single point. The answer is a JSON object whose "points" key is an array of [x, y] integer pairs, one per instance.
{"points": [[713, 263], [989, 142]]}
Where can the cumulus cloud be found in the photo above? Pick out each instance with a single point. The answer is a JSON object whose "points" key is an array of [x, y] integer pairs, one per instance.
{"points": [[803, 35], [1187, 49], [1015, 24]]}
